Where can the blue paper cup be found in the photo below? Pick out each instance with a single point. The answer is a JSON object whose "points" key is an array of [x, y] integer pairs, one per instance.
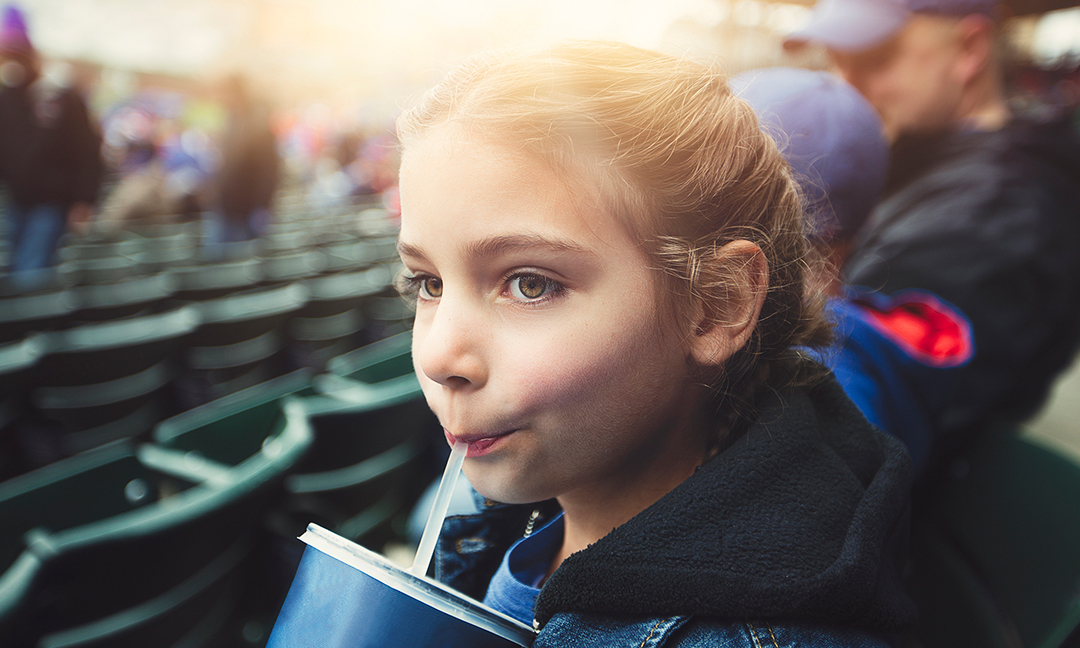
{"points": [[345, 596]]}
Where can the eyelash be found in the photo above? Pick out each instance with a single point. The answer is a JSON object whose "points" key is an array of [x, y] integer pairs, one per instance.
{"points": [[411, 286], [408, 285]]}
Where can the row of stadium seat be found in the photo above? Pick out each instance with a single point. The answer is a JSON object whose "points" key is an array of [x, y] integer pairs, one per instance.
{"points": [[97, 381], [189, 538]]}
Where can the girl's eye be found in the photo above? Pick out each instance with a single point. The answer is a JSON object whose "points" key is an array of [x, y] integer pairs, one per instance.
{"points": [[418, 286], [531, 287], [430, 288]]}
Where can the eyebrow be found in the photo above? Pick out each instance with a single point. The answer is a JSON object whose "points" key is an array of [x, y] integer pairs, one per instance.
{"points": [[500, 245]]}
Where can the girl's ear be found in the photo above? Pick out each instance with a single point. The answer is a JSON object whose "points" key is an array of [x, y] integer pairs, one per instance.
{"points": [[730, 283]]}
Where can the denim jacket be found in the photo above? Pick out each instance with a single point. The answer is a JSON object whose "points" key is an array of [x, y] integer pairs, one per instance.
{"points": [[459, 553], [584, 631], [791, 536]]}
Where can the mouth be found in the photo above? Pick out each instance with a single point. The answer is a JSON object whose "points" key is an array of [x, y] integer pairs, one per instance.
{"points": [[479, 444]]}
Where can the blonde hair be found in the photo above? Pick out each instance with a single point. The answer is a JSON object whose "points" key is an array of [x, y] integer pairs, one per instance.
{"points": [[678, 157]]}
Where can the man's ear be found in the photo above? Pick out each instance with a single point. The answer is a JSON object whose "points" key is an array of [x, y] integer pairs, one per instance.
{"points": [[975, 40], [731, 283]]}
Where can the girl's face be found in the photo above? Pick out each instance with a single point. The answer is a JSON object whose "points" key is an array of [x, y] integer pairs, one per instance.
{"points": [[538, 339]]}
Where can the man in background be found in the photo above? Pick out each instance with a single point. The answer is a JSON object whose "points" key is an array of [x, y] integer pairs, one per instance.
{"points": [[50, 154], [981, 207], [895, 355], [250, 168]]}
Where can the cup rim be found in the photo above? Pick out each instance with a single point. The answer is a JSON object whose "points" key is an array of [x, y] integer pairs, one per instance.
{"points": [[423, 589]]}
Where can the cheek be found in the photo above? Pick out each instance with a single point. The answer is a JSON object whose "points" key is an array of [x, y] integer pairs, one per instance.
{"points": [[885, 88], [589, 368], [894, 99], [553, 373]]}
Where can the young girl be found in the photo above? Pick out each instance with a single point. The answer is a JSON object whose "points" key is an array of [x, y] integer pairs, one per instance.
{"points": [[607, 258]]}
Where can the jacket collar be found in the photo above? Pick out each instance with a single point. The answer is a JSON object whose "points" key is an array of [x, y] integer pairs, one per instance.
{"points": [[791, 521]]}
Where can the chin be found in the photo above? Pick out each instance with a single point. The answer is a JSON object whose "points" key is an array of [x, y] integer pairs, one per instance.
{"points": [[505, 491]]}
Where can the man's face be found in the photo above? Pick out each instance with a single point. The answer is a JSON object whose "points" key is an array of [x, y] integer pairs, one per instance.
{"points": [[911, 79]]}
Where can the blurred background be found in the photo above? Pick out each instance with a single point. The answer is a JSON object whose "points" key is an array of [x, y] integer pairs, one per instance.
{"points": [[336, 72], [368, 56]]}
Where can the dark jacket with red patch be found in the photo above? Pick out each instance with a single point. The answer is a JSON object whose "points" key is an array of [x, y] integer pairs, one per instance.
{"points": [[990, 223]]}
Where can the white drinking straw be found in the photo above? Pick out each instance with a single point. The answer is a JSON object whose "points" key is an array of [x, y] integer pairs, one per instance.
{"points": [[438, 509]]}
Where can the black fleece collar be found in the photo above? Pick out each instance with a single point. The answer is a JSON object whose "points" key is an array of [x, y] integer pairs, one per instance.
{"points": [[804, 518]]}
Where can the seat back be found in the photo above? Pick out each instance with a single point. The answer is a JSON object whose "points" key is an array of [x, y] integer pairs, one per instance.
{"points": [[101, 246], [17, 360], [373, 431], [166, 245], [41, 511], [238, 342], [1006, 524], [234, 428], [97, 565], [93, 271], [248, 314], [104, 301], [25, 313], [331, 322], [95, 353], [289, 265], [228, 434], [99, 382], [377, 362], [211, 280]]}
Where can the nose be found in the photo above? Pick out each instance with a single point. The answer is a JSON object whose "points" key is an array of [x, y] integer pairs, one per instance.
{"points": [[448, 345]]}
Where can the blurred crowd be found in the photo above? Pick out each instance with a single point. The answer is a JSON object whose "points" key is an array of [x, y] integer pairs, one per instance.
{"points": [[167, 153], [81, 157]]}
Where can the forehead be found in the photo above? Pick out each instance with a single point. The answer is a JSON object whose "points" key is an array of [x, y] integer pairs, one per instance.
{"points": [[923, 36], [457, 189]]}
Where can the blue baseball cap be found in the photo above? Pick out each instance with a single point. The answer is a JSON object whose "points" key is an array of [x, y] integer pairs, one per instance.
{"points": [[855, 25], [830, 135]]}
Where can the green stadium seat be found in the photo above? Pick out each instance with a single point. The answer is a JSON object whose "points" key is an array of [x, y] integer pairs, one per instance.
{"points": [[24, 313], [99, 270], [102, 381], [237, 342], [142, 545], [211, 280], [377, 362], [286, 266], [223, 435], [232, 429], [101, 534], [997, 548], [374, 435], [348, 255], [99, 246], [99, 382], [17, 360], [129, 297], [330, 324], [94, 353]]}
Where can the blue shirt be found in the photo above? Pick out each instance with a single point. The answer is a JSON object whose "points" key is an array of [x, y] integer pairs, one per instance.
{"points": [[516, 584]]}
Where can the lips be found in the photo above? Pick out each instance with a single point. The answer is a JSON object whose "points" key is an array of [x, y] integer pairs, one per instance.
{"points": [[479, 444]]}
